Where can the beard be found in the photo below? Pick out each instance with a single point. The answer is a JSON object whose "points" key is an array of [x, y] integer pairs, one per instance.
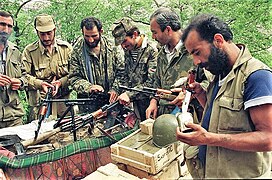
{"points": [[93, 44], [3, 38], [47, 43], [217, 62]]}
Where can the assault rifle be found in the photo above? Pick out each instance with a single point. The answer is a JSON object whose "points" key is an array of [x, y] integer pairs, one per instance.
{"points": [[43, 110], [159, 93]]}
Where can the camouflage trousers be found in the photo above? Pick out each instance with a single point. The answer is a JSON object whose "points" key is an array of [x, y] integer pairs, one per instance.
{"points": [[140, 107]]}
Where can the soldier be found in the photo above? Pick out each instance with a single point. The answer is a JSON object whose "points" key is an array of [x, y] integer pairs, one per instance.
{"points": [[46, 63], [11, 112], [173, 60], [92, 66], [140, 62]]}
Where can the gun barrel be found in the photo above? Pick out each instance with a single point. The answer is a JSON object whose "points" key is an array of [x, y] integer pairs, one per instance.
{"points": [[137, 90], [158, 90]]}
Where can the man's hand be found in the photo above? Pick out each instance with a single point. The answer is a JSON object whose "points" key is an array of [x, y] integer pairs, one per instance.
{"points": [[57, 85], [96, 88], [199, 136], [124, 99], [200, 93], [179, 99], [152, 109], [15, 83], [45, 86], [4, 80], [113, 96]]}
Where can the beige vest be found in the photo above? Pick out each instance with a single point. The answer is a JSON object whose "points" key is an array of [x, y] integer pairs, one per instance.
{"points": [[229, 117]]}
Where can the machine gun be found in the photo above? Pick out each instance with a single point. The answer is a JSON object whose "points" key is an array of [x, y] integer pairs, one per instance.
{"points": [[73, 126], [43, 110], [159, 93]]}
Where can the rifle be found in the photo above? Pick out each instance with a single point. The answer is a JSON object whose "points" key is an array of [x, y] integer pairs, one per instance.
{"points": [[44, 136], [43, 110], [160, 93], [96, 114]]}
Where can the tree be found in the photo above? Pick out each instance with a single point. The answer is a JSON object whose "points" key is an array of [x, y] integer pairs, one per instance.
{"points": [[250, 20]]}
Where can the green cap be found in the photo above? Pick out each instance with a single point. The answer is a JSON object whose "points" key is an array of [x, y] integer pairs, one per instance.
{"points": [[44, 23], [120, 28]]}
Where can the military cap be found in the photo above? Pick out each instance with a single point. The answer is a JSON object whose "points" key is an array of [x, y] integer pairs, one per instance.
{"points": [[120, 28], [44, 23]]}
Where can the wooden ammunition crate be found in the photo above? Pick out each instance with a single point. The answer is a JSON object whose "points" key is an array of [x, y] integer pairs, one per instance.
{"points": [[110, 171], [173, 171], [137, 150]]}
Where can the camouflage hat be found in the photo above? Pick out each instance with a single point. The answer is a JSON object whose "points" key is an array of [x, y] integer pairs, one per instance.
{"points": [[120, 28], [44, 23]]}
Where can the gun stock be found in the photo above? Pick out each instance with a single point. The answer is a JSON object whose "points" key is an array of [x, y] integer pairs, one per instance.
{"points": [[40, 138]]}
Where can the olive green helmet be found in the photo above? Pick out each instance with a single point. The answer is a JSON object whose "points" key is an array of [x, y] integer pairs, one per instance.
{"points": [[164, 130]]}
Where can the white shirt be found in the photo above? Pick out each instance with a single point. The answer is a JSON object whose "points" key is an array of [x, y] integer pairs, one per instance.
{"points": [[170, 55]]}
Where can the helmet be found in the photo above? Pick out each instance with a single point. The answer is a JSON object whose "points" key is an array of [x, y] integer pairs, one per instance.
{"points": [[164, 130]]}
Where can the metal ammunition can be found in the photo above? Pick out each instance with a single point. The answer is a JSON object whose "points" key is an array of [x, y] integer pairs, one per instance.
{"points": [[183, 118]]}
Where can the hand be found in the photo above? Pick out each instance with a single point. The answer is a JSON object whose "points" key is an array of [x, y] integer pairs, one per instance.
{"points": [[113, 96], [45, 86], [195, 86], [124, 99], [4, 80], [57, 85], [15, 83], [199, 136], [179, 99], [96, 88], [200, 93], [152, 109]]}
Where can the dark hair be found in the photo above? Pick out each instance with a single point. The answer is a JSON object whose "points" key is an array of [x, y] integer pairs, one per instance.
{"points": [[166, 17], [207, 26], [90, 22], [6, 14], [132, 30]]}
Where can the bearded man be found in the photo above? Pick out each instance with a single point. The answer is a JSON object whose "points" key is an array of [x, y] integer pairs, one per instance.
{"points": [[234, 139], [46, 63], [11, 111], [93, 65]]}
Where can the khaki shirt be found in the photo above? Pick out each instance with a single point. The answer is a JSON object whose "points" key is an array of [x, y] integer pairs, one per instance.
{"points": [[10, 104], [41, 66]]}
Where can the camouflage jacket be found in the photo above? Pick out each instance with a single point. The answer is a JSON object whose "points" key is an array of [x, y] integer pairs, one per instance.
{"points": [[41, 66], [104, 68], [140, 71], [168, 73], [11, 107]]}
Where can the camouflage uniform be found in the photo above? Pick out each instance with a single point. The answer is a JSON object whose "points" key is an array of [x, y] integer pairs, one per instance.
{"points": [[139, 61], [11, 109], [104, 70], [139, 72], [168, 73], [42, 66]]}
